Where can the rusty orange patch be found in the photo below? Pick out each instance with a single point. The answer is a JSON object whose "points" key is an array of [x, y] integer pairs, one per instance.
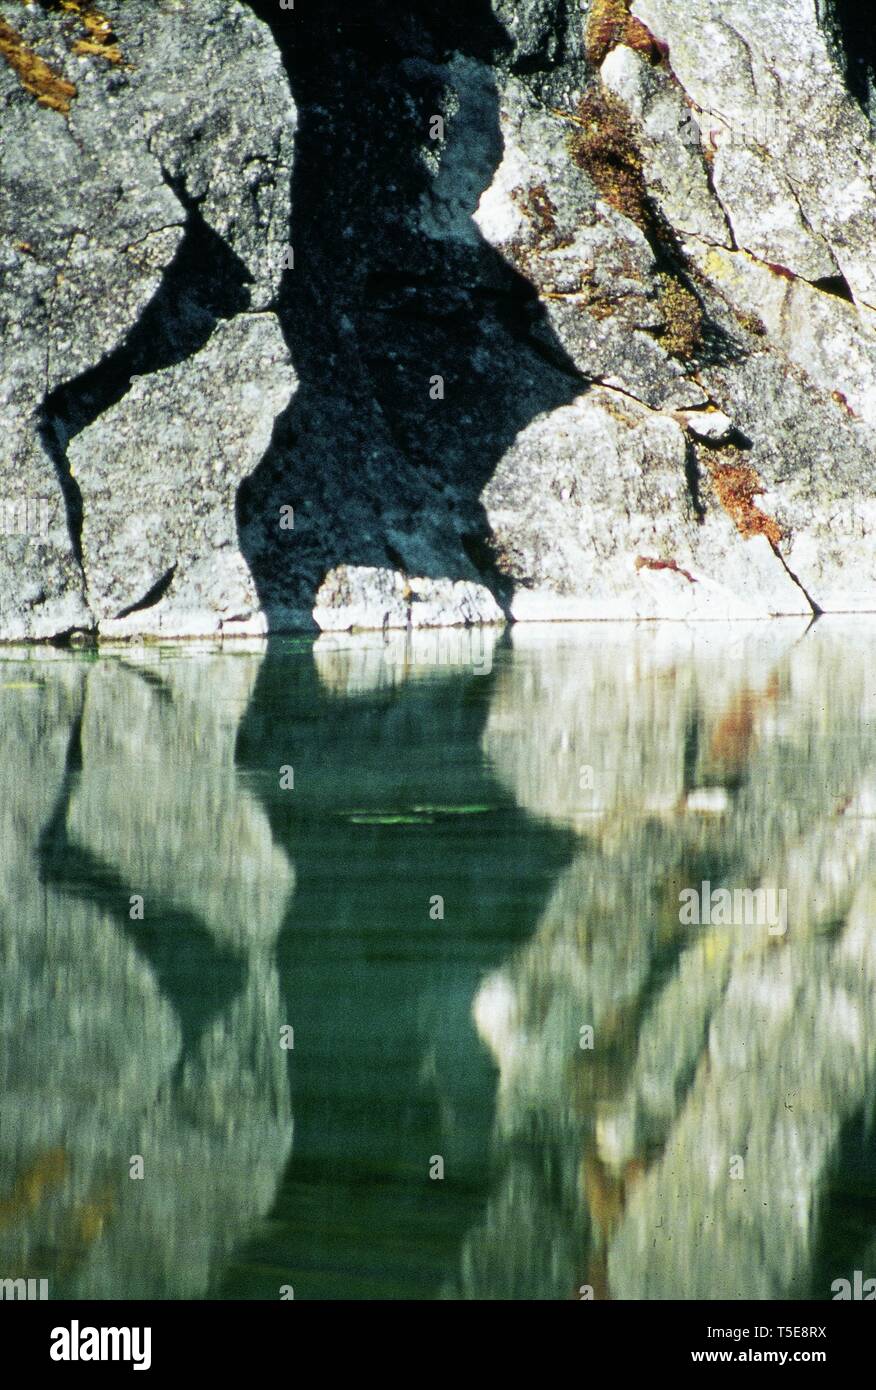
{"points": [[34, 73], [737, 485]]}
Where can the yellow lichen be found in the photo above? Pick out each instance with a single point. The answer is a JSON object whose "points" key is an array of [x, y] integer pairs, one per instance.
{"points": [[682, 318], [85, 47], [48, 1171], [752, 323], [718, 265], [88, 1220], [101, 40], [34, 74], [600, 309]]}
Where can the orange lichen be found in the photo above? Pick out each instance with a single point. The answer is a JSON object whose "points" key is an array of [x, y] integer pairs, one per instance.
{"points": [[540, 211], [84, 1227], [604, 1194], [90, 1218], [600, 309], [86, 47], [644, 563], [605, 25], [610, 23], [842, 400], [733, 739], [607, 1195], [737, 485], [542, 207], [603, 145], [34, 74]]}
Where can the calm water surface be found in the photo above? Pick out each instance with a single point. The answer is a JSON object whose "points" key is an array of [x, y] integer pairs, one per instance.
{"points": [[452, 944]]}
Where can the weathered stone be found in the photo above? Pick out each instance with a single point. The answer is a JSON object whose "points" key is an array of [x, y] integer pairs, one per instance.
{"points": [[822, 334], [772, 100], [673, 167], [650, 223], [42, 592], [217, 113], [552, 506], [811, 455], [87, 223], [91, 218], [196, 430], [354, 597], [358, 597], [593, 267]]}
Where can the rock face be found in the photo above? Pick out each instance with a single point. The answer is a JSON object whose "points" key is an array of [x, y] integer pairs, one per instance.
{"points": [[176, 512], [519, 310], [136, 219]]}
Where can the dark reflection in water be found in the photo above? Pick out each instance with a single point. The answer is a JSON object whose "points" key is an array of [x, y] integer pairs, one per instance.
{"points": [[557, 794]]}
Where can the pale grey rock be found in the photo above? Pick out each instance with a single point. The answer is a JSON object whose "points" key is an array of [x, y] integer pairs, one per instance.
{"points": [[359, 597], [216, 111], [773, 98], [593, 267], [89, 224], [86, 222], [821, 334], [668, 140], [440, 603], [42, 590], [734, 309], [811, 460], [712, 426], [553, 506], [98, 221], [196, 429]]}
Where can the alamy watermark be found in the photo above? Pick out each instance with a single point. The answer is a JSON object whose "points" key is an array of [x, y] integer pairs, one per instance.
{"points": [[24, 516], [76, 1343], [757, 129], [734, 907], [857, 1289], [432, 646], [27, 1290]]}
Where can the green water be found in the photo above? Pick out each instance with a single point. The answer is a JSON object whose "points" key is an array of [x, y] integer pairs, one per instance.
{"points": [[451, 866]]}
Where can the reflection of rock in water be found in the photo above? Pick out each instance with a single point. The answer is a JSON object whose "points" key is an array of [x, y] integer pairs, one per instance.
{"points": [[121, 1037], [530, 1239], [710, 1044], [787, 1057], [351, 663]]}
